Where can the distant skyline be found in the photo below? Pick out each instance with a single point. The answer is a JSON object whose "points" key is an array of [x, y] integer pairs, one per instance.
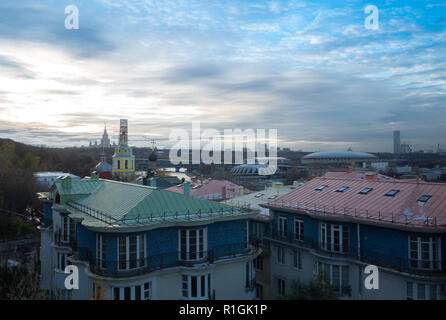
{"points": [[309, 69]]}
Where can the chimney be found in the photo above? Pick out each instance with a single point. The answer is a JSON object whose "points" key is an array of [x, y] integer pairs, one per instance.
{"points": [[194, 179], [186, 188], [241, 190], [153, 182], [94, 175], [223, 192], [66, 182], [349, 170], [371, 176]]}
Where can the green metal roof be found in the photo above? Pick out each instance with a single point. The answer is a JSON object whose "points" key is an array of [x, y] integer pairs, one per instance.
{"points": [[114, 204], [77, 187]]}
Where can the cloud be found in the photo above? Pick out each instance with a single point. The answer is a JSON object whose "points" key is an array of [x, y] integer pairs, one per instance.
{"points": [[310, 70]]}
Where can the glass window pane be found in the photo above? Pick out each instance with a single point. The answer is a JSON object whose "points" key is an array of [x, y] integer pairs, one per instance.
{"points": [[194, 286]]}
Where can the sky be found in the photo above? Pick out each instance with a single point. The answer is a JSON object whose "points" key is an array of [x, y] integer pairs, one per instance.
{"points": [[310, 69]]}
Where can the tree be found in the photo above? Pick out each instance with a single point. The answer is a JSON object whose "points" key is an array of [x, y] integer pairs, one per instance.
{"points": [[21, 282], [316, 289]]}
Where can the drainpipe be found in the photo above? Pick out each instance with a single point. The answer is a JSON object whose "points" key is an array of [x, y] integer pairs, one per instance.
{"points": [[359, 258]]}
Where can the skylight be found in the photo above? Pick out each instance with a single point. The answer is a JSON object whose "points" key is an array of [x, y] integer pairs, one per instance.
{"points": [[258, 195], [342, 189], [423, 199], [392, 193], [321, 188], [365, 190]]}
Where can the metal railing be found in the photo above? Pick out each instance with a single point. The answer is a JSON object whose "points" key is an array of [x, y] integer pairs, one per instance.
{"points": [[133, 267], [376, 256], [375, 215]]}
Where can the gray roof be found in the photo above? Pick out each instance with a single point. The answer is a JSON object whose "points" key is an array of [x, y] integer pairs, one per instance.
{"points": [[339, 154]]}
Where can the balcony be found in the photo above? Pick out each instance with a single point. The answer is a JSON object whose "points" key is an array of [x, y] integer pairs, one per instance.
{"points": [[134, 267], [376, 257]]}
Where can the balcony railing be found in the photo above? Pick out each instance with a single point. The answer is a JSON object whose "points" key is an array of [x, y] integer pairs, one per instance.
{"points": [[376, 257], [133, 267]]}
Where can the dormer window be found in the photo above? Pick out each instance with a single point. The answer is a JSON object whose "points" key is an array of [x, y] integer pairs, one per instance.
{"points": [[392, 193], [423, 199], [321, 188], [342, 189], [365, 191]]}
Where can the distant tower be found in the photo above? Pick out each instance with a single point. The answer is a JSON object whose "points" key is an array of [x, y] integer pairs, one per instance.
{"points": [[396, 142], [123, 159], [105, 141]]}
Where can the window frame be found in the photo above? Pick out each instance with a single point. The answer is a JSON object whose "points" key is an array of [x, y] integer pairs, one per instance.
{"points": [[140, 262], [199, 254]]}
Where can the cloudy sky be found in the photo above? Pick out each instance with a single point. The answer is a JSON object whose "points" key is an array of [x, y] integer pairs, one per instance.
{"points": [[311, 70]]}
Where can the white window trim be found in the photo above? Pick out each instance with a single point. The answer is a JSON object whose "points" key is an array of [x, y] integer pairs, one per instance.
{"points": [[197, 239], [281, 226], [324, 236], [298, 234], [207, 289], [133, 291], [127, 253], [418, 259]]}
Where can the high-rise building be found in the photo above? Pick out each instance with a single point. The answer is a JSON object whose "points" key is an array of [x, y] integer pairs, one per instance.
{"points": [[105, 141], [123, 158], [396, 142]]}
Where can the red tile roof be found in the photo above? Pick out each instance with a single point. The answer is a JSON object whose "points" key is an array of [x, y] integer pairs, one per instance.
{"points": [[403, 208], [212, 189]]}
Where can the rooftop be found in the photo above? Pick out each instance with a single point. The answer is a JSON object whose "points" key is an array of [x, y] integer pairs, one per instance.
{"points": [[110, 204], [340, 154], [211, 189], [395, 202]]}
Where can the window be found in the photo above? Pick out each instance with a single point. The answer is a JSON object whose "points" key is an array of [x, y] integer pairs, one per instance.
{"points": [[138, 292], [258, 263], [392, 193], [257, 230], [246, 235], [409, 292], [249, 276], [342, 189], [297, 259], [101, 251], [321, 188], [424, 252], [337, 275], [281, 287], [131, 252], [423, 199], [126, 164], [282, 227], [419, 291], [334, 237], [119, 164], [62, 261], [281, 255], [196, 286], [193, 244], [259, 291], [298, 229], [65, 228], [365, 190]]}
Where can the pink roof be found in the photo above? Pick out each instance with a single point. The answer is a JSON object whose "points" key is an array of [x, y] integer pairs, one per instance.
{"points": [[354, 175], [211, 190], [403, 208]]}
